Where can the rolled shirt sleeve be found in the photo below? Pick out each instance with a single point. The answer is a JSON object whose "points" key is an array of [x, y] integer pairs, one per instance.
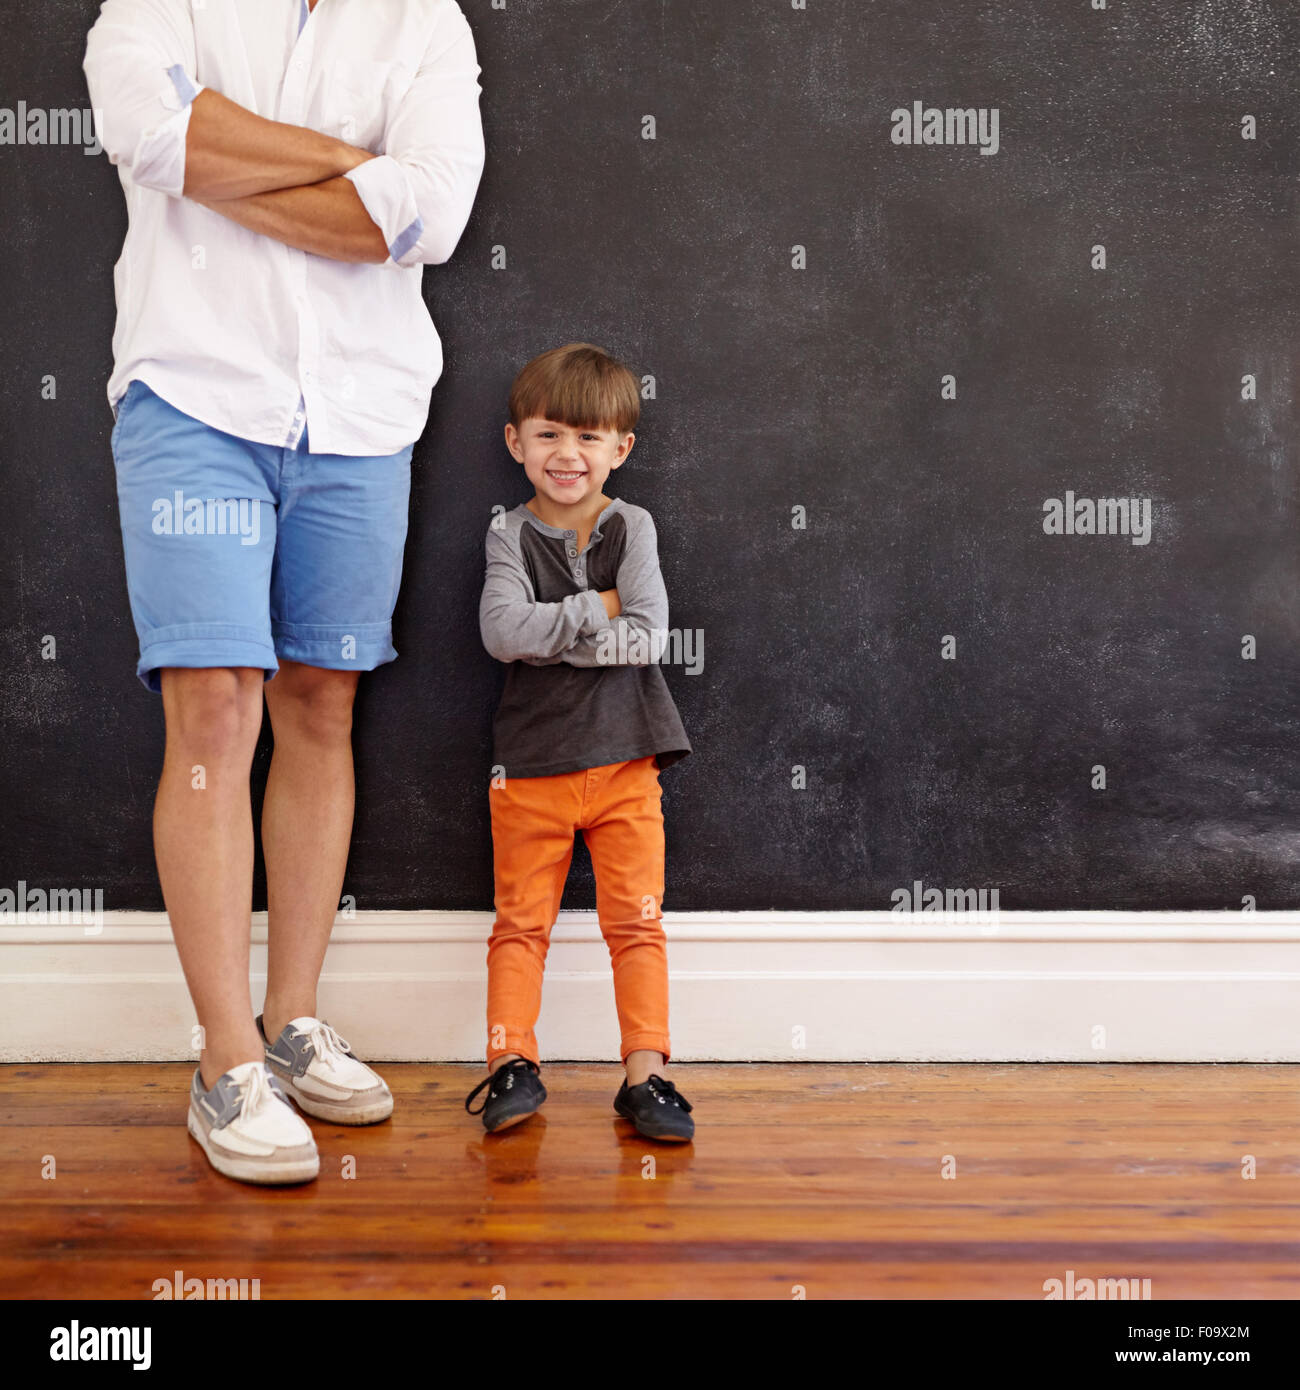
{"points": [[420, 192], [140, 66]]}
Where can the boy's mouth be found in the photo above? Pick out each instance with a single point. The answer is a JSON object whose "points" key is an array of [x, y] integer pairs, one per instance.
{"points": [[559, 477]]}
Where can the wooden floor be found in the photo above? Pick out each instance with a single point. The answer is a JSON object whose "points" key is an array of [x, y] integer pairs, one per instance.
{"points": [[821, 1176]]}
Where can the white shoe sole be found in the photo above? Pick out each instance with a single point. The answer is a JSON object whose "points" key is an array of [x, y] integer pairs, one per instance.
{"points": [[339, 1113], [255, 1170]]}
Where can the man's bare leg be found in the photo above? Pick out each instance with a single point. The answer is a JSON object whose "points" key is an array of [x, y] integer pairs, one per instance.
{"points": [[306, 828], [203, 840]]}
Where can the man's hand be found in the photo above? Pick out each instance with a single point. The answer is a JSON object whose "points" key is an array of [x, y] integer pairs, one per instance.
{"points": [[609, 597], [232, 153]]}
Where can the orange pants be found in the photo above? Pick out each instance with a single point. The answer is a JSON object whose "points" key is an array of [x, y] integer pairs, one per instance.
{"points": [[618, 810]]}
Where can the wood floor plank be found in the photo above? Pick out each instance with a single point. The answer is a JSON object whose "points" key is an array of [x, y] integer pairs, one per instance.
{"points": [[824, 1176]]}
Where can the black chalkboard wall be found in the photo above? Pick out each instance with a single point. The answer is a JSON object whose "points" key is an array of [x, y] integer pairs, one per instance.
{"points": [[781, 384]]}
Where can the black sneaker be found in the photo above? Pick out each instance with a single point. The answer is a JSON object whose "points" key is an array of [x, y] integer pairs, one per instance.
{"points": [[657, 1109], [514, 1092]]}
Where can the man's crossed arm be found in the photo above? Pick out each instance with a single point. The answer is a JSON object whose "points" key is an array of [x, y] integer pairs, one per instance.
{"points": [[284, 181], [296, 185]]}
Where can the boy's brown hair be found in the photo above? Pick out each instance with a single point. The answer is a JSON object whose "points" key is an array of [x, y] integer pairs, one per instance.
{"points": [[579, 385]]}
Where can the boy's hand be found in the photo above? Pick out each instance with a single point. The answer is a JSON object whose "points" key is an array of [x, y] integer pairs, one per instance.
{"points": [[609, 597]]}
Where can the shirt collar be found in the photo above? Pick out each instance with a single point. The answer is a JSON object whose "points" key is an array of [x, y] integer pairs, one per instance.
{"points": [[559, 532]]}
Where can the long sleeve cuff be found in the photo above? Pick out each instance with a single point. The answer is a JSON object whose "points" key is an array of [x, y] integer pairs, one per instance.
{"points": [[386, 194], [159, 159], [600, 618]]}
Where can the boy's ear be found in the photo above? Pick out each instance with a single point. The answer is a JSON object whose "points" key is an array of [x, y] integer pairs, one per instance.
{"points": [[512, 441]]}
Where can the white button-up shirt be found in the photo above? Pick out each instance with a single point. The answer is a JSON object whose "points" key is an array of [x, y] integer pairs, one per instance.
{"points": [[244, 333]]}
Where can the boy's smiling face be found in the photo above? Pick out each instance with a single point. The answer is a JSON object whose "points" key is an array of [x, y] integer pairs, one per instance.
{"points": [[567, 464]]}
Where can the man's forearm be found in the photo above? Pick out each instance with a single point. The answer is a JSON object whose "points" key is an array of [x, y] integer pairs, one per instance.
{"points": [[327, 219], [232, 153]]}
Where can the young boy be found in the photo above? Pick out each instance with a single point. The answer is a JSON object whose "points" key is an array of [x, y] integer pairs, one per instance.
{"points": [[574, 603]]}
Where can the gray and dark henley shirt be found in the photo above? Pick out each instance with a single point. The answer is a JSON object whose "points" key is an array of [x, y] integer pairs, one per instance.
{"points": [[581, 690]]}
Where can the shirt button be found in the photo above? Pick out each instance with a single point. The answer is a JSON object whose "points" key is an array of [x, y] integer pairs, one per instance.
{"points": [[572, 552]]}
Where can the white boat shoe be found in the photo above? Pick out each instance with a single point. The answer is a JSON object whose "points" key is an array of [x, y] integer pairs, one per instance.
{"points": [[316, 1067], [248, 1130]]}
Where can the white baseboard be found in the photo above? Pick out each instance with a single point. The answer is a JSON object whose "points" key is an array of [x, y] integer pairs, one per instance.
{"points": [[745, 986]]}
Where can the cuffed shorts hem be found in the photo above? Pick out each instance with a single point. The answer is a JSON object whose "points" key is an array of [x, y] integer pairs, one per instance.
{"points": [[335, 647], [213, 598], [200, 645]]}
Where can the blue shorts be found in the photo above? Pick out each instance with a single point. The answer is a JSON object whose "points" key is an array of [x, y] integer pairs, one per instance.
{"points": [[238, 553]]}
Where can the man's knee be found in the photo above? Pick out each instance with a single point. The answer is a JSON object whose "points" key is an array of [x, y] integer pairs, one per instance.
{"points": [[215, 711], [311, 703]]}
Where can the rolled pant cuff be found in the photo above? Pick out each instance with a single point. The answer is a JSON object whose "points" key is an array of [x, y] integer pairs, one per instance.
{"points": [[522, 1049], [645, 1042]]}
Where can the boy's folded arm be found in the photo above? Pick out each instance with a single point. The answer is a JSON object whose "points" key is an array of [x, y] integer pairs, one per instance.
{"points": [[514, 626], [628, 639]]}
